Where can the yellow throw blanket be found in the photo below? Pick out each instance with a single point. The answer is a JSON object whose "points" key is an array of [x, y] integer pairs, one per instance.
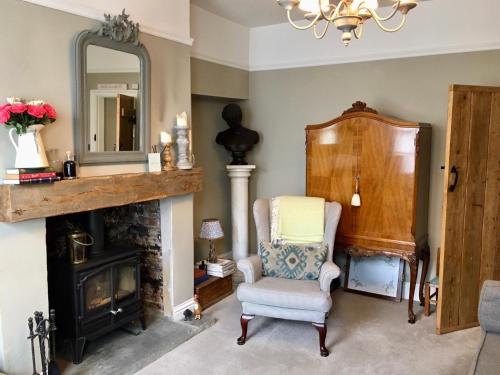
{"points": [[298, 219]]}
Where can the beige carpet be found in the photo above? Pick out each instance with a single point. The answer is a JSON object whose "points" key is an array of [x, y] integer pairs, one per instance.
{"points": [[365, 336]]}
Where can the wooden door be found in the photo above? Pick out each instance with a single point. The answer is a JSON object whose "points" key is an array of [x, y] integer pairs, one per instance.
{"points": [[470, 233], [125, 122]]}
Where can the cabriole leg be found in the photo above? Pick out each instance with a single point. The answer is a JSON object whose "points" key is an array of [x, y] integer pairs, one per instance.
{"points": [[413, 280], [244, 326], [321, 328]]}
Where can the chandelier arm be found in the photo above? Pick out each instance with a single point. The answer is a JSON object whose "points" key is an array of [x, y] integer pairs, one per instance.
{"points": [[383, 19], [334, 12], [313, 22], [360, 28], [379, 23], [321, 36]]}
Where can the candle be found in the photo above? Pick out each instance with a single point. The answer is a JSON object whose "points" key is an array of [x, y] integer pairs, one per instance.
{"points": [[165, 138], [182, 120]]}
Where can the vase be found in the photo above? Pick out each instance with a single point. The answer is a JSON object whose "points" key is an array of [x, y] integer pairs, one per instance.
{"points": [[30, 152], [183, 161]]}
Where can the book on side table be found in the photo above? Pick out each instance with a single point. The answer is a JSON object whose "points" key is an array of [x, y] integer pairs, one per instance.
{"points": [[223, 268]]}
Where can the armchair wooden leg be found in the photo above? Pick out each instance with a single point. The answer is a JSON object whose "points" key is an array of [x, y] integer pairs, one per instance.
{"points": [[321, 328], [244, 325]]}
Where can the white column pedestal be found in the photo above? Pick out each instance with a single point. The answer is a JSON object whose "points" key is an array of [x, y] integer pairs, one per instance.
{"points": [[239, 175]]}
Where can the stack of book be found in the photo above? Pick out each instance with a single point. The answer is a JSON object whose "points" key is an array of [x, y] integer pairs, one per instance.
{"points": [[14, 176], [200, 276], [223, 268]]}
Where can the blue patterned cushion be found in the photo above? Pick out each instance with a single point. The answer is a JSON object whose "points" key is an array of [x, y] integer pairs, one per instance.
{"points": [[292, 261]]}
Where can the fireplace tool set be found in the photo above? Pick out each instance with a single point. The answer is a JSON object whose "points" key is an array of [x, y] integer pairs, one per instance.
{"points": [[44, 330]]}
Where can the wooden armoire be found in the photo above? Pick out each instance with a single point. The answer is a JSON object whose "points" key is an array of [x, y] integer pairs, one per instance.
{"points": [[388, 161]]}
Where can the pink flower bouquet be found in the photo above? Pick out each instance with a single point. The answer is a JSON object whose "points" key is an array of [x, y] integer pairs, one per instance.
{"points": [[19, 114]]}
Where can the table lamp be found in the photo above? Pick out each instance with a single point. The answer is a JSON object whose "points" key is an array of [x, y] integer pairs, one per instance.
{"points": [[211, 230]]}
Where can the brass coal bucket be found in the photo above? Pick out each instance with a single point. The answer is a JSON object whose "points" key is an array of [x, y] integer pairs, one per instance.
{"points": [[78, 243]]}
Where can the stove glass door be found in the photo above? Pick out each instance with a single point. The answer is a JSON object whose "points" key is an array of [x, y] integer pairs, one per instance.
{"points": [[97, 292]]}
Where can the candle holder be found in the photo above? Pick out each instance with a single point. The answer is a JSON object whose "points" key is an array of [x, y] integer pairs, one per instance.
{"points": [[183, 161], [167, 158]]}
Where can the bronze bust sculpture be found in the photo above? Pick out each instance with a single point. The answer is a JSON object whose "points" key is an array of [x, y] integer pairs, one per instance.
{"points": [[237, 139]]}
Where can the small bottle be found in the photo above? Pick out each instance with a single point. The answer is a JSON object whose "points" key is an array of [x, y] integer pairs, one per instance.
{"points": [[69, 167]]}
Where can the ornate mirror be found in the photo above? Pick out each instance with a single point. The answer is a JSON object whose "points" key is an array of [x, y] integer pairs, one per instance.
{"points": [[113, 94]]}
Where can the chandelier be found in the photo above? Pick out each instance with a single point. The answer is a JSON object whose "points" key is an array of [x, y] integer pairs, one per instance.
{"points": [[348, 16]]}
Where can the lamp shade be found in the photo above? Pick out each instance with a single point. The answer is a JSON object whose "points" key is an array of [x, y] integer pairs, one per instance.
{"points": [[211, 229]]}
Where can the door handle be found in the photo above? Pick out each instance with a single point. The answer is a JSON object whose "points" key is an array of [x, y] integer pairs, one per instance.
{"points": [[454, 172], [116, 312]]}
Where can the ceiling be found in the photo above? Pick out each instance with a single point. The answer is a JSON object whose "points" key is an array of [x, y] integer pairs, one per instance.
{"points": [[251, 13]]}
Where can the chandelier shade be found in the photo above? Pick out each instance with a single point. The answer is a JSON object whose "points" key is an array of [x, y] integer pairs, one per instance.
{"points": [[312, 6], [348, 16]]}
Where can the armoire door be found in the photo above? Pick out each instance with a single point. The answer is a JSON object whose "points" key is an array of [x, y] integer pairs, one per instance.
{"points": [[470, 232]]}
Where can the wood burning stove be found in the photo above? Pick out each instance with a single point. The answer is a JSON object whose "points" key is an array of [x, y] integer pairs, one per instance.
{"points": [[99, 295], [96, 297]]}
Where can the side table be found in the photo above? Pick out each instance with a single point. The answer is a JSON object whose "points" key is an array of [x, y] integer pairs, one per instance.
{"points": [[213, 290]]}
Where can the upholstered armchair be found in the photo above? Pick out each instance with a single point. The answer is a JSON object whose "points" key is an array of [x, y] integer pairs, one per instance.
{"points": [[487, 358], [303, 300]]}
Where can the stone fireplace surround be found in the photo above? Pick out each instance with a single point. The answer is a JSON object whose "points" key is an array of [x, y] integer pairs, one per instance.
{"points": [[23, 255]]}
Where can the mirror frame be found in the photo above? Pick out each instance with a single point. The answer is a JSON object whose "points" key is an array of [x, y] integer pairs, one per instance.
{"points": [[82, 124]]}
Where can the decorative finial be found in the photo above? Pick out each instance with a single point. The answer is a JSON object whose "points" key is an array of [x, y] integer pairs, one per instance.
{"points": [[120, 28], [359, 107]]}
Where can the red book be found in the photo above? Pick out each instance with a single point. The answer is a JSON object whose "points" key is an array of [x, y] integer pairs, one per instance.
{"points": [[29, 176]]}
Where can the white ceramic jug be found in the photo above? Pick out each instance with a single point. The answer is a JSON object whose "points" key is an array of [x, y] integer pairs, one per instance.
{"points": [[30, 152]]}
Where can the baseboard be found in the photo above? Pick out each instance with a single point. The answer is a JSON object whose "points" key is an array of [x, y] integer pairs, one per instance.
{"points": [[178, 311]]}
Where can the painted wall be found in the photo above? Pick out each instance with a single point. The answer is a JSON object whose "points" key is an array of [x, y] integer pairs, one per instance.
{"points": [[211, 79], [40, 64], [177, 254], [213, 86], [22, 248], [434, 27], [283, 102], [219, 40], [44, 68], [215, 199]]}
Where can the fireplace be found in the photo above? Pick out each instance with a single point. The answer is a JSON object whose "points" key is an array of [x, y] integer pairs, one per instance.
{"points": [[166, 272], [109, 286]]}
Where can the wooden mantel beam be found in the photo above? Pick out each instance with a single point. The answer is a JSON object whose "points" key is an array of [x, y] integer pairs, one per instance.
{"points": [[25, 202]]}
